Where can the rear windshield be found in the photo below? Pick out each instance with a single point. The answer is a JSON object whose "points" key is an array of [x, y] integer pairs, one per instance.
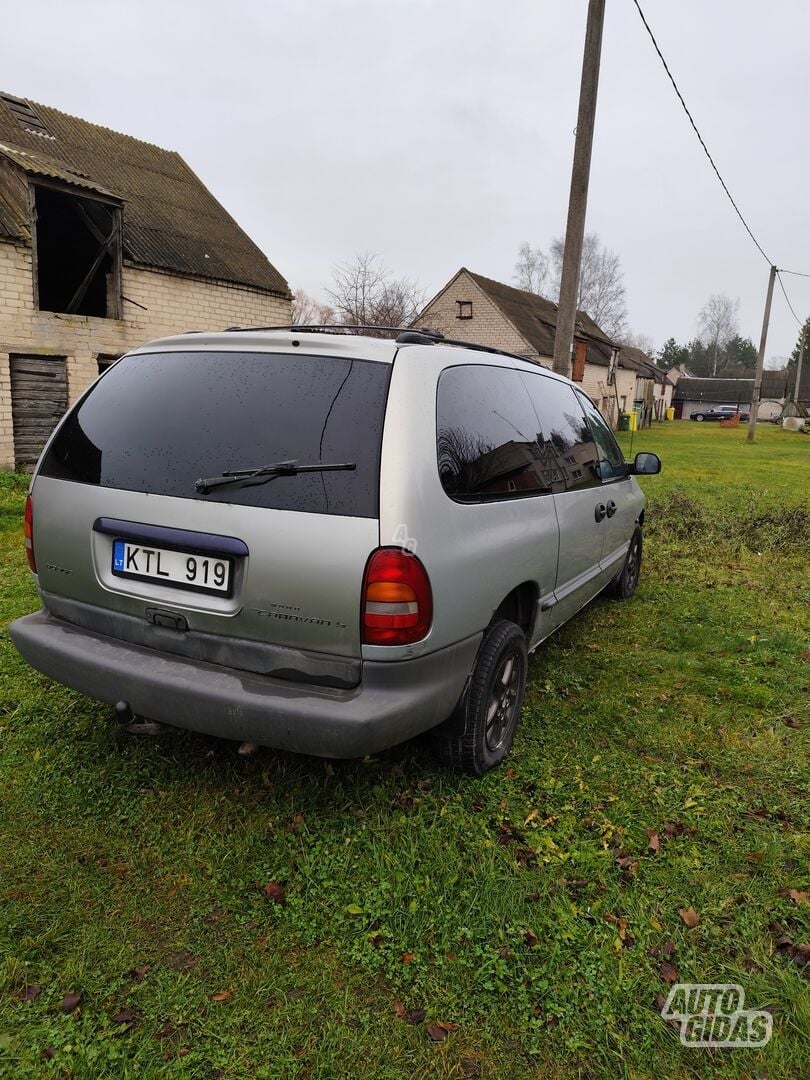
{"points": [[157, 422]]}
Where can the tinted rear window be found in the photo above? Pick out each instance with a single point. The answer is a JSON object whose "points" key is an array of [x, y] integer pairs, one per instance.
{"points": [[157, 422], [504, 434]]}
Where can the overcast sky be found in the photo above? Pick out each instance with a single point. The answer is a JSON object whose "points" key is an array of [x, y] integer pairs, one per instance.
{"points": [[440, 132]]}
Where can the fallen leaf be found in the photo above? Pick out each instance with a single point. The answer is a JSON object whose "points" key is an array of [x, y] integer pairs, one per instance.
{"points": [[530, 939], [126, 1019], [532, 815], [798, 896], [70, 1002], [30, 993], [49, 1053], [755, 856], [400, 1009], [415, 1016], [689, 916], [669, 973], [805, 655], [620, 922], [222, 995], [138, 974], [354, 909], [408, 957], [668, 948], [654, 843], [440, 1030], [275, 892], [627, 864]]}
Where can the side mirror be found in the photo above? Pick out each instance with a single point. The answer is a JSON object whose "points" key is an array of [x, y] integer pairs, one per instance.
{"points": [[645, 465]]}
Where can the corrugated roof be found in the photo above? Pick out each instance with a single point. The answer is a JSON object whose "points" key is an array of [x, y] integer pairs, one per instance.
{"points": [[536, 319], [171, 220], [38, 166], [689, 388], [632, 357]]}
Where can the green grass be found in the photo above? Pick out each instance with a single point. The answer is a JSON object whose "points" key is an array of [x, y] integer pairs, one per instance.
{"points": [[491, 904]]}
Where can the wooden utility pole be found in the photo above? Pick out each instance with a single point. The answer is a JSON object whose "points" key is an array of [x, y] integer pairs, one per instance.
{"points": [[752, 419], [578, 197]]}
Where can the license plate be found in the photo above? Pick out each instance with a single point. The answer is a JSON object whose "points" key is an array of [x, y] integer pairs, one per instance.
{"points": [[181, 569]]}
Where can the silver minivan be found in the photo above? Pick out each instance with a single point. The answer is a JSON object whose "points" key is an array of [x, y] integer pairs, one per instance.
{"points": [[324, 542]]}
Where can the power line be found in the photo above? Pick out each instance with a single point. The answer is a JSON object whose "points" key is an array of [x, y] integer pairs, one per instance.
{"points": [[795, 273], [787, 298], [700, 137]]}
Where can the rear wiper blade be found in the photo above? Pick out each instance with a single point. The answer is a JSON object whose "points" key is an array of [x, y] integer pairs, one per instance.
{"points": [[269, 472]]}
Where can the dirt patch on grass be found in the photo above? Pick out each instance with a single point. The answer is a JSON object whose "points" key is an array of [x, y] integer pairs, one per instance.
{"points": [[771, 527]]}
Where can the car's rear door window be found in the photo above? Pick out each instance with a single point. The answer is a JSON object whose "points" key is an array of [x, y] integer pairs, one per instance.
{"points": [[487, 435], [564, 436], [157, 422]]}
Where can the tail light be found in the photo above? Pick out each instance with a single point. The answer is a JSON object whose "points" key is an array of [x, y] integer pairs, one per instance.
{"points": [[397, 598], [28, 531]]}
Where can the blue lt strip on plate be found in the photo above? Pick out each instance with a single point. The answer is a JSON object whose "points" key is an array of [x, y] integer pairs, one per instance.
{"points": [[118, 555]]}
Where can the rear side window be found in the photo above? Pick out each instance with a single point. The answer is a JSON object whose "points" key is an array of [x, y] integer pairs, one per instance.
{"points": [[157, 422], [505, 433], [487, 435]]}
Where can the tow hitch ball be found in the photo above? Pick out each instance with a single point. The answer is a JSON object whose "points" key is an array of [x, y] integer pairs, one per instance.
{"points": [[136, 725]]}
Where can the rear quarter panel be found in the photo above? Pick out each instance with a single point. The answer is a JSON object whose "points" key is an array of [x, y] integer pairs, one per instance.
{"points": [[474, 554]]}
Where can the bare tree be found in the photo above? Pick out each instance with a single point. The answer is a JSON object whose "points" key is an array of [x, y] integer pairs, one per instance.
{"points": [[601, 281], [601, 284], [307, 311], [532, 270], [365, 293], [640, 341], [718, 325]]}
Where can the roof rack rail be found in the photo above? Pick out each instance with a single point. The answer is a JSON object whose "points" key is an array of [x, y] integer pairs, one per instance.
{"points": [[331, 328], [407, 335]]}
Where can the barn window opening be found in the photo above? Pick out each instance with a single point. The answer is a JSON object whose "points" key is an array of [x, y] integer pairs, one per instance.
{"points": [[103, 362], [78, 254], [464, 309], [26, 116]]}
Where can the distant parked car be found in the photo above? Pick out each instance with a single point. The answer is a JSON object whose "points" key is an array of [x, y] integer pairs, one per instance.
{"points": [[719, 412]]}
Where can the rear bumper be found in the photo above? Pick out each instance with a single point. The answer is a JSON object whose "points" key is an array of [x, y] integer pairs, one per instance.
{"points": [[393, 702]]}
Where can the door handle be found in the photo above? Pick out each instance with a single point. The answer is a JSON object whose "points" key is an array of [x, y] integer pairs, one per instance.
{"points": [[600, 513], [611, 508]]}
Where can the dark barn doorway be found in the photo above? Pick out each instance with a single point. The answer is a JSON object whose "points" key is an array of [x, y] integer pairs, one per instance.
{"points": [[78, 254]]}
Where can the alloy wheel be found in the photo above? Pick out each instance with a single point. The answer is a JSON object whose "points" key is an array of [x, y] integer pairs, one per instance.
{"points": [[501, 708]]}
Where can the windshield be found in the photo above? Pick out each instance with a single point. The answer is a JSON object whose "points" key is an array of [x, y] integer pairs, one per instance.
{"points": [[157, 422]]}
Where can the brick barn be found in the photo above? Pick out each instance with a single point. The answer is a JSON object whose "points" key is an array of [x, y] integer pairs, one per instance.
{"points": [[105, 241]]}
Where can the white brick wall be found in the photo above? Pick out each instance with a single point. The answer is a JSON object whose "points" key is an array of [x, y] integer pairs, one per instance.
{"points": [[488, 325], [173, 304]]}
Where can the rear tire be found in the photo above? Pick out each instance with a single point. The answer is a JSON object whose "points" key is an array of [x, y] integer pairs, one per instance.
{"points": [[699, 417], [623, 586], [479, 734]]}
